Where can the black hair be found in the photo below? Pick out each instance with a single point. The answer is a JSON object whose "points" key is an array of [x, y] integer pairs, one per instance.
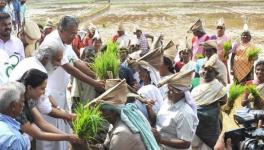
{"points": [[4, 16], [33, 77], [66, 22], [260, 63], [246, 33], [169, 63]]}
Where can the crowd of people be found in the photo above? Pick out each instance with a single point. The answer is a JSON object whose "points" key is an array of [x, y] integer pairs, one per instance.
{"points": [[170, 96]]}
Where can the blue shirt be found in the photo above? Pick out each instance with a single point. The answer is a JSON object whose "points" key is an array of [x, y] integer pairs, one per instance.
{"points": [[10, 137], [199, 65]]}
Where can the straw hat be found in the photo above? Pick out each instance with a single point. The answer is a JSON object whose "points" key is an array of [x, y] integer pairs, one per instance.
{"points": [[210, 43], [117, 94], [32, 31], [154, 58], [181, 80], [221, 22], [121, 27], [49, 24], [92, 27], [170, 51], [245, 28], [197, 26]]}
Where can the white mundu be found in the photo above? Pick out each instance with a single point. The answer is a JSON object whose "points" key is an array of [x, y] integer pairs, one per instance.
{"points": [[56, 87]]}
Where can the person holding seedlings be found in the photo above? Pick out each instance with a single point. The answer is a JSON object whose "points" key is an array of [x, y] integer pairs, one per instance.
{"points": [[199, 37], [11, 105], [45, 60], [221, 37], [207, 97], [32, 122], [212, 60], [241, 64], [176, 121], [258, 98], [130, 130]]}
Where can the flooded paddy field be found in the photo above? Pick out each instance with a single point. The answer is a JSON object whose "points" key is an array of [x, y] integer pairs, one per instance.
{"points": [[171, 18]]}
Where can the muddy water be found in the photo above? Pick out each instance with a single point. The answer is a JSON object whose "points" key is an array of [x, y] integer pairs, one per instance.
{"points": [[174, 19]]}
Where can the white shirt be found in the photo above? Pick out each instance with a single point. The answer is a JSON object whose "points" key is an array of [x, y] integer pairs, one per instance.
{"points": [[176, 121], [43, 105], [123, 41], [4, 65], [150, 92], [60, 74], [14, 48], [54, 40], [189, 66]]}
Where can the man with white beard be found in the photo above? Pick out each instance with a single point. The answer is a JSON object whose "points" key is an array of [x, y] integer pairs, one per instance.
{"points": [[45, 60], [59, 79]]}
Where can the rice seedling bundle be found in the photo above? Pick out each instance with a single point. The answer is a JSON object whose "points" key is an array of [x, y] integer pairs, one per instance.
{"points": [[106, 62], [234, 92], [227, 48], [88, 122], [252, 89], [111, 46], [252, 53]]}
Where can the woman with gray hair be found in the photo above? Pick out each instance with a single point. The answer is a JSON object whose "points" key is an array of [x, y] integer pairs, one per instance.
{"points": [[11, 105]]}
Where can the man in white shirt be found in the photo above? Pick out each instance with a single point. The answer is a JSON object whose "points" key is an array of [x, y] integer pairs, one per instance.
{"points": [[70, 65], [9, 43], [67, 29], [4, 65], [121, 38]]}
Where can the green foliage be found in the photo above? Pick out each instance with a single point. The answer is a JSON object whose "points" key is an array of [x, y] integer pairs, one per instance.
{"points": [[88, 122], [111, 47], [227, 48], [252, 53], [252, 89], [234, 92], [107, 61]]}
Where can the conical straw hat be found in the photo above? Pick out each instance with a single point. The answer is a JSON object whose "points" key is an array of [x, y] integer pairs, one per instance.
{"points": [[115, 95], [154, 58], [181, 80], [170, 51], [197, 26]]}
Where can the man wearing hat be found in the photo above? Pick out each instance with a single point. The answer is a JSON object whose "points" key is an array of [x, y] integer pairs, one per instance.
{"points": [[121, 38], [241, 66], [199, 37], [148, 66], [88, 39], [176, 121], [211, 59], [29, 35], [130, 129], [208, 96], [221, 37], [142, 40]]}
